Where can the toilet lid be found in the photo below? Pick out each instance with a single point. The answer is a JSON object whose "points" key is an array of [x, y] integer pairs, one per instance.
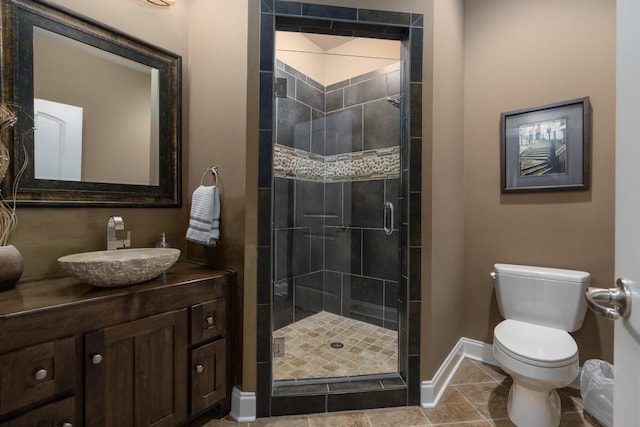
{"points": [[534, 344]]}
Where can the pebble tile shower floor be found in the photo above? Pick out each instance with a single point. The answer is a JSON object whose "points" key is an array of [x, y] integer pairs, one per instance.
{"points": [[475, 397], [367, 349]]}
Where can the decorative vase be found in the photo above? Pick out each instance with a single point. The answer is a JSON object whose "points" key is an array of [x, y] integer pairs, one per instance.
{"points": [[11, 266]]}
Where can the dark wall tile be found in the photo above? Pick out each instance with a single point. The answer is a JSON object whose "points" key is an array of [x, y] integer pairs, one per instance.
{"points": [[282, 303], [417, 19], [398, 18], [317, 132], [364, 91], [264, 217], [266, 6], [333, 203], [344, 131], [334, 100], [287, 7], [282, 252], [333, 292], [301, 252], [264, 275], [309, 209], [343, 250], [372, 399], [293, 127], [337, 85], [267, 42], [283, 202], [265, 158], [415, 229], [417, 43], [414, 328], [381, 255], [415, 129], [335, 12], [413, 381], [366, 76], [309, 292], [415, 274], [295, 405], [366, 289], [265, 120], [309, 95], [264, 333], [364, 203], [381, 125], [263, 392], [291, 82], [393, 83], [415, 164]]}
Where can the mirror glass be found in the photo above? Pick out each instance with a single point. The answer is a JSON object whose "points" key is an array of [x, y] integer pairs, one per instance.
{"points": [[96, 114], [98, 111]]}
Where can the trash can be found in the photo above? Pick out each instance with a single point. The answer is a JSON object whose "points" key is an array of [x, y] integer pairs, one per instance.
{"points": [[596, 388]]}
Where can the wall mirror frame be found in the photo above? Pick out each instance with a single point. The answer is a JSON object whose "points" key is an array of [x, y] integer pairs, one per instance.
{"points": [[19, 18]]}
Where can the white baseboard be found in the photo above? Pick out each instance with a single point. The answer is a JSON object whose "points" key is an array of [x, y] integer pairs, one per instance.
{"points": [[243, 406], [431, 390]]}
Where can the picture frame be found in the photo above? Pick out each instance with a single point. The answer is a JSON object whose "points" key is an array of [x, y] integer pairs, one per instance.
{"points": [[546, 148]]}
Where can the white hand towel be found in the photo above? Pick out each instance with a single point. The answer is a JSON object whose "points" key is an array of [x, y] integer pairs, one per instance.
{"points": [[204, 223]]}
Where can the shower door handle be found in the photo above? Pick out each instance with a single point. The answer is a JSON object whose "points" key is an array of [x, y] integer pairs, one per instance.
{"points": [[388, 218]]}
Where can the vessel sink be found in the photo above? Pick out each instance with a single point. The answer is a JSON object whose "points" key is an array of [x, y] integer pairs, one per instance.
{"points": [[119, 267]]}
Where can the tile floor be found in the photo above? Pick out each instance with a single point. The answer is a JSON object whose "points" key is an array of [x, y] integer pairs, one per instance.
{"points": [[368, 349], [475, 397]]}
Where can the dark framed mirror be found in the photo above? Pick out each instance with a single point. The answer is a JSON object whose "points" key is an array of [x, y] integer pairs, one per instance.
{"points": [[99, 112]]}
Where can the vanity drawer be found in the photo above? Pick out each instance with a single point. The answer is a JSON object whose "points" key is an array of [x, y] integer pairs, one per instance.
{"points": [[208, 320], [208, 375], [36, 373], [58, 414]]}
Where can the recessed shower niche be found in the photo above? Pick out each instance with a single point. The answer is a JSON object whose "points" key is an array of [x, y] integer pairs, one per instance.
{"points": [[339, 222]]}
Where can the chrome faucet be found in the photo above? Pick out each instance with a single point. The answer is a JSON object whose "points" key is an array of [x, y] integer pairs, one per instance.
{"points": [[116, 223]]}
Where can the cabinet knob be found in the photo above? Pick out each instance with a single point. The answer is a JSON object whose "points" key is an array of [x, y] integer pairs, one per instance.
{"points": [[199, 368], [40, 374], [67, 425], [96, 358], [211, 320]]}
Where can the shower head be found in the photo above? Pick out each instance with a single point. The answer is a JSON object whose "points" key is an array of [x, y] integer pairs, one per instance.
{"points": [[394, 101]]}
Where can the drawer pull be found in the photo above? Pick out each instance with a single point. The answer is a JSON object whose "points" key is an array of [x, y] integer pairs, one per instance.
{"points": [[40, 374], [96, 359], [67, 425], [211, 320], [199, 368]]}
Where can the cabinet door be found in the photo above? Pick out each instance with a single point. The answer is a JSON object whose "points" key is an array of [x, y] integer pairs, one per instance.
{"points": [[135, 373], [59, 414], [208, 375]]}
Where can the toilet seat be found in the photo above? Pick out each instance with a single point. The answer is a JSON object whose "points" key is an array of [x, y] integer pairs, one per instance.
{"points": [[535, 345]]}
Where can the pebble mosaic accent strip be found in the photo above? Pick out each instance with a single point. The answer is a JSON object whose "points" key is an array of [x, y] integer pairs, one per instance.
{"points": [[383, 163]]}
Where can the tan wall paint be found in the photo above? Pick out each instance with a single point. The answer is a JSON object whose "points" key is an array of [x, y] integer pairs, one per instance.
{"points": [[522, 54], [223, 130], [44, 234]]}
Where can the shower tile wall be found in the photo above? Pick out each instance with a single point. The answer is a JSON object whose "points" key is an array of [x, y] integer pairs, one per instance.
{"points": [[331, 252]]}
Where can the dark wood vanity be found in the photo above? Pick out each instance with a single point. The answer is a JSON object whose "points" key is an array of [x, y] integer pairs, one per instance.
{"points": [[152, 354]]}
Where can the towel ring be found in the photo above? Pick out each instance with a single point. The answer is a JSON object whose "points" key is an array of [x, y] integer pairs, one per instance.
{"points": [[212, 170]]}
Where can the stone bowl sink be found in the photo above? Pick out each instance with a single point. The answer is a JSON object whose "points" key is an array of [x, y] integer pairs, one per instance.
{"points": [[119, 267]]}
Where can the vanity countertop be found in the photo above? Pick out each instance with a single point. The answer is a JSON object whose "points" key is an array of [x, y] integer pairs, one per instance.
{"points": [[37, 295]]}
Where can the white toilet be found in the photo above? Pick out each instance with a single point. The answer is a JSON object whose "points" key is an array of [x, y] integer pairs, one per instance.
{"points": [[540, 305]]}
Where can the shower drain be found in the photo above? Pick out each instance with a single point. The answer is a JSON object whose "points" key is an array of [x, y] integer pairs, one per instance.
{"points": [[336, 345]]}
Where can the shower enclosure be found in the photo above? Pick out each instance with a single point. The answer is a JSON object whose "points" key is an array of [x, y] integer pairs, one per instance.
{"points": [[339, 212], [336, 207]]}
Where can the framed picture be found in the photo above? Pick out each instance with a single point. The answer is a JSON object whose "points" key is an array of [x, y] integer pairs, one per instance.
{"points": [[546, 148]]}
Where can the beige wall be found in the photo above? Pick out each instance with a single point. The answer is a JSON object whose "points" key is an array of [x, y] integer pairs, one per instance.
{"points": [[44, 234], [472, 72], [521, 54]]}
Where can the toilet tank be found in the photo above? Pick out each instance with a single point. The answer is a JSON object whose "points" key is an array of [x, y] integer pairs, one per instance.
{"points": [[543, 296]]}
